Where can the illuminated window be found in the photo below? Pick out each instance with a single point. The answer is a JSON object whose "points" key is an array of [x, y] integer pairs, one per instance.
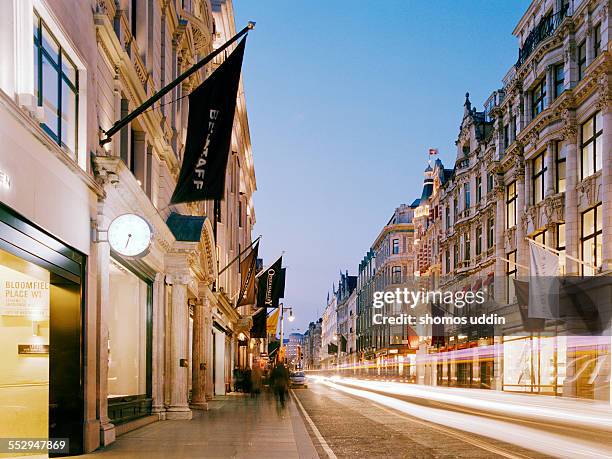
{"points": [[561, 245], [511, 205], [592, 145], [590, 242], [560, 163], [510, 274], [538, 178]]}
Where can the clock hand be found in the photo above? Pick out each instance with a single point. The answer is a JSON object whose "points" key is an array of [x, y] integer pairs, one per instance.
{"points": [[128, 241]]}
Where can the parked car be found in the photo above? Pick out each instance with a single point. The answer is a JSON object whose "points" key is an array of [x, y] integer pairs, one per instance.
{"points": [[298, 379]]}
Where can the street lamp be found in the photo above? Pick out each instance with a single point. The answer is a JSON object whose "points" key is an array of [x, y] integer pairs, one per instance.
{"points": [[282, 320]]}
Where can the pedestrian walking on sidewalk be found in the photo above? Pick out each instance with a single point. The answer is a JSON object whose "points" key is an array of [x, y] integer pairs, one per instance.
{"points": [[280, 382], [256, 377]]}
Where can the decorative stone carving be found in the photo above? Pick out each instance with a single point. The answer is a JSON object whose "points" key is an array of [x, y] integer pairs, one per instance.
{"points": [[603, 86], [570, 129], [588, 188]]}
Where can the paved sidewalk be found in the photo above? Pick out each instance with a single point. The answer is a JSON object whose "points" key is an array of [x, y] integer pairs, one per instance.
{"points": [[235, 426]]}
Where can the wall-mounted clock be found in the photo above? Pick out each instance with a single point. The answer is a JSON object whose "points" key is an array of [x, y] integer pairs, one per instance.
{"points": [[130, 235]]}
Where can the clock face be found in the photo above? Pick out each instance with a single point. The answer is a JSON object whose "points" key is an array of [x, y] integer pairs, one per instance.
{"points": [[129, 235]]}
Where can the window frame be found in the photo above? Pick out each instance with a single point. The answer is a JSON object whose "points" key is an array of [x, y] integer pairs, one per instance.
{"points": [[395, 248], [581, 51], [558, 81], [511, 272], [511, 200], [478, 188], [537, 177], [592, 140], [57, 63], [490, 232], [559, 179], [597, 235], [396, 271], [478, 240], [596, 41], [538, 104]]}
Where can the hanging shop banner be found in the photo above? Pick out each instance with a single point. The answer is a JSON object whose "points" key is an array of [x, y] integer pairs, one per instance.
{"points": [[258, 330], [247, 277], [271, 286], [209, 133]]}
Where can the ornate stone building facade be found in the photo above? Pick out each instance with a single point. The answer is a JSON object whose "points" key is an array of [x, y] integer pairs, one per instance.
{"points": [[145, 328]]}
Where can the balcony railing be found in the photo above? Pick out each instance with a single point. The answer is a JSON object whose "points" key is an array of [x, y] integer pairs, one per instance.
{"points": [[545, 28]]}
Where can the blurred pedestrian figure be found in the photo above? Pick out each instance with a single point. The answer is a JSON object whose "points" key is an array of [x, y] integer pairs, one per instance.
{"points": [[256, 377], [280, 382]]}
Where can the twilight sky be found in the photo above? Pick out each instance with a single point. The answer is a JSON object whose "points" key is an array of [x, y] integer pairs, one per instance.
{"points": [[344, 100]]}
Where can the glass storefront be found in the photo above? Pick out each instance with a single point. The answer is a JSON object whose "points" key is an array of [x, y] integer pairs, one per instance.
{"points": [[128, 344], [41, 370], [24, 340], [534, 364]]}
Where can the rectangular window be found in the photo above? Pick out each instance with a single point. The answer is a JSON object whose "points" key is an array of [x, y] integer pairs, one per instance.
{"points": [[538, 98], [478, 188], [455, 255], [560, 165], [510, 274], [478, 240], [596, 40], [489, 182], [395, 246], [447, 216], [466, 247], [455, 209], [537, 180], [466, 196], [581, 60], [397, 274], [561, 245], [506, 136], [490, 232], [511, 205], [591, 145], [239, 214], [540, 237], [56, 86], [591, 240], [447, 261], [559, 80]]}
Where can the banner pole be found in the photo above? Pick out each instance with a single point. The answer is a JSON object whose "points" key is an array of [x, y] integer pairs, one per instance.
{"points": [[237, 257], [166, 89]]}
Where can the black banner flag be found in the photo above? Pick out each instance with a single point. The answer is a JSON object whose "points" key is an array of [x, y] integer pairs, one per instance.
{"points": [[247, 278], [258, 330], [271, 286], [209, 133]]}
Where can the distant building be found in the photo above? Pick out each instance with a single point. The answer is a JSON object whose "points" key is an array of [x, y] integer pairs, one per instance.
{"points": [[293, 353]]}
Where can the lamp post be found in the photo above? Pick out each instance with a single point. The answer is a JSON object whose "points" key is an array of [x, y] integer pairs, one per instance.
{"points": [[291, 318]]}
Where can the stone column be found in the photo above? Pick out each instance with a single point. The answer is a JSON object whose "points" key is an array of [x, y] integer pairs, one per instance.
{"points": [[159, 335], [178, 407], [500, 224], [528, 190], [571, 197], [208, 340], [107, 429], [521, 207], [199, 355], [549, 163], [606, 173]]}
